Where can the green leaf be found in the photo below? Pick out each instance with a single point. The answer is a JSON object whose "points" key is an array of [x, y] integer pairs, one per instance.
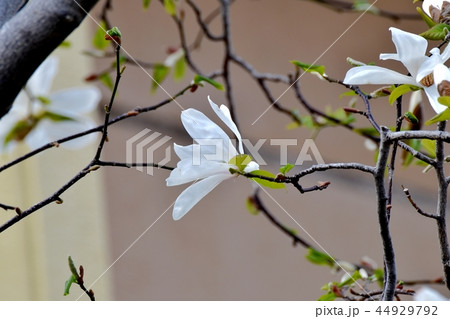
{"points": [[72, 268], [44, 100], [114, 32], [443, 116], [350, 280], [311, 68], [286, 168], [241, 161], [179, 69], [411, 118], [250, 205], [55, 117], [408, 159], [319, 258], [371, 131], [444, 100], [171, 7], [293, 125], [379, 276], [348, 93], [264, 182], [20, 130], [425, 17], [68, 284], [436, 32], [99, 37], [330, 296], [364, 6], [430, 147], [198, 79], [146, 3], [400, 90], [65, 44], [160, 72], [105, 78]]}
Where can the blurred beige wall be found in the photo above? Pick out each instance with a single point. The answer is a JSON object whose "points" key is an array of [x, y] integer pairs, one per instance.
{"points": [[34, 252]]}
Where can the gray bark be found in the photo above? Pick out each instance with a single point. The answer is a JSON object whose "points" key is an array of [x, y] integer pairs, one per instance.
{"points": [[29, 36]]}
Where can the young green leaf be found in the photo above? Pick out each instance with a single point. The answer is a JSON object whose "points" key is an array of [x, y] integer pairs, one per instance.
{"points": [[171, 7], [443, 116], [240, 161], [330, 296], [319, 258], [198, 79], [68, 284], [264, 182], [105, 78], [436, 32], [250, 205], [160, 72], [430, 147], [411, 118], [146, 3], [55, 117], [365, 6], [311, 68], [65, 44], [179, 69], [430, 22], [400, 90], [99, 37], [286, 168]]}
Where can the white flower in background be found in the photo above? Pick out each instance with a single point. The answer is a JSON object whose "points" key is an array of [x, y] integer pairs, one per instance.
{"points": [[208, 162], [438, 10], [428, 294], [39, 117], [411, 49]]}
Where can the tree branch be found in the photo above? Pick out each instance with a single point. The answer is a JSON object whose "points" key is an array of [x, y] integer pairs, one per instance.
{"points": [[30, 36]]}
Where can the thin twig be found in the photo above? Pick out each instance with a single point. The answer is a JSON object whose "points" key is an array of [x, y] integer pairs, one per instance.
{"points": [[416, 207]]}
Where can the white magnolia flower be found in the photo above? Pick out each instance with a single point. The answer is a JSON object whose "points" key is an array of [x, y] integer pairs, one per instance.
{"points": [[428, 294], [206, 163], [411, 49], [39, 117]]}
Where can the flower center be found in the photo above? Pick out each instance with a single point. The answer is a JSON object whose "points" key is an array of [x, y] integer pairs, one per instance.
{"points": [[428, 80]]}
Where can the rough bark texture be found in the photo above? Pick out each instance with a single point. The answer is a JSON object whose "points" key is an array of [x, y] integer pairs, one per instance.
{"points": [[29, 36]]}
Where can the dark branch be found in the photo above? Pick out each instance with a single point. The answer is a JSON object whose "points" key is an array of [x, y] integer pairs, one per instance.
{"points": [[30, 36]]}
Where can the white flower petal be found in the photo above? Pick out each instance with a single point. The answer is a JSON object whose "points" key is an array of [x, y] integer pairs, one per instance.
{"points": [[389, 56], [252, 166], [186, 172], [428, 294], [206, 132], [428, 65], [75, 100], [414, 100], [48, 131], [41, 81], [371, 74], [441, 73], [224, 114], [174, 57], [445, 55], [433, 96], [194, 193], [411, 49]]}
